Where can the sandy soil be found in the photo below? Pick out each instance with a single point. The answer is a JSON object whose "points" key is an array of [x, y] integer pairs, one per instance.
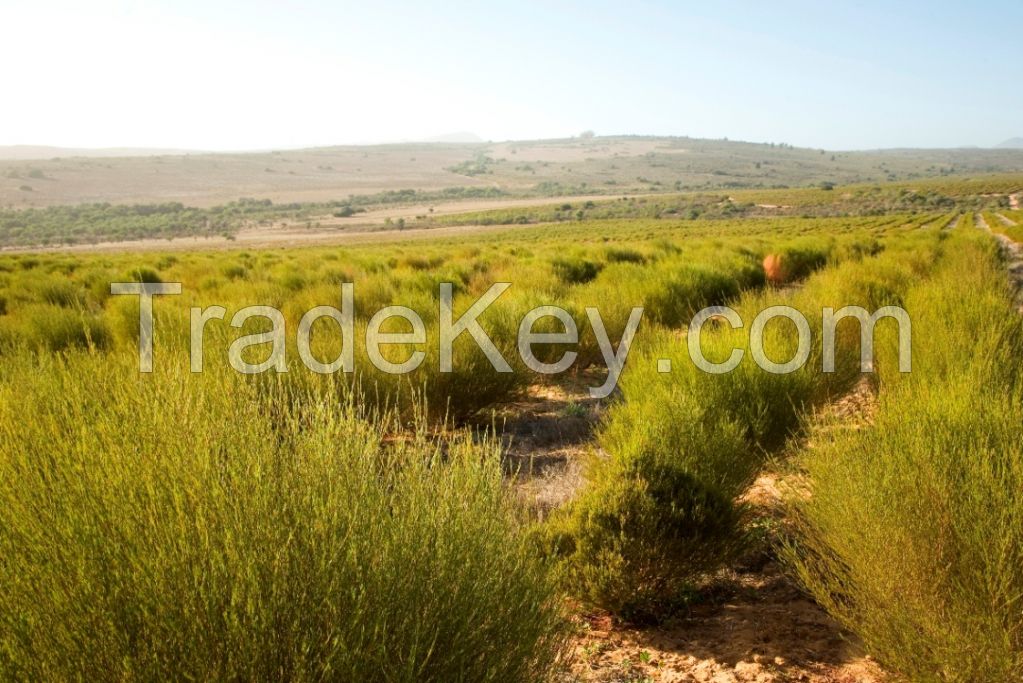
{"points": [[617, 164], [548, 435], [576, 150], [755, 627], [379, 216], [310, 175], [208, 179]]}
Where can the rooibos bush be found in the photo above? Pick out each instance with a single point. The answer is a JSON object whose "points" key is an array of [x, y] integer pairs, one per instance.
{"points": [[170, 527]]}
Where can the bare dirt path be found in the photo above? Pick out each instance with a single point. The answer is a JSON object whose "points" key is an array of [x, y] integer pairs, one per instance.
{"points": [[547, 436], [754, 627]]}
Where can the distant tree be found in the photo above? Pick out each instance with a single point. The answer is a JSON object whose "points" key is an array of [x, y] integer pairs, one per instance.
{"points": [[587, 135]]}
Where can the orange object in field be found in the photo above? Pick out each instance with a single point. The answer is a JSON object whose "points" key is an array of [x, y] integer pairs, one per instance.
{"points": [[774, 269]]}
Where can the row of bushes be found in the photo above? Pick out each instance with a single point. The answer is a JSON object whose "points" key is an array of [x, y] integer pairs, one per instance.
{"points": [[1011, 229], [661, 510], [911, 533]]}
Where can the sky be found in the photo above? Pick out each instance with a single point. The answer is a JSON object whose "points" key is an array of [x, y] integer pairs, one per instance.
{"points": [[254, 74]]}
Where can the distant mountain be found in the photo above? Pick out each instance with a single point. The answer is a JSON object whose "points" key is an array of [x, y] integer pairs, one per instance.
{"points": [[27, 152], [1012, 143], [460, 136]]}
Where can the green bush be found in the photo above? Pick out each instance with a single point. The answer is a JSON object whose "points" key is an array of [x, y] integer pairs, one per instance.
{"points": [[52, 328], [234, 271], [684, 289], [174, 528], [624, 255], [575, 270], [142, 274], [61, 293], [649, 521]]}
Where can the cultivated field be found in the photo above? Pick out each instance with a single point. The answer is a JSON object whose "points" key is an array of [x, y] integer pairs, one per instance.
{"points": [[500, 524]]}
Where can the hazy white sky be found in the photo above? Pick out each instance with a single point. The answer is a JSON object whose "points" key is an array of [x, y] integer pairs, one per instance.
{"points": [[257, 74]]}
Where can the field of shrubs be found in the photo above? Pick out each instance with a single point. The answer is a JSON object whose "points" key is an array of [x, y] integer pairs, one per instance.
{"points": [[291, 525]]}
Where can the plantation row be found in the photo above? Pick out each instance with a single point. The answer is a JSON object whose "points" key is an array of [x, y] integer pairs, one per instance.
{"points": [[292, 526], [853, 200]]}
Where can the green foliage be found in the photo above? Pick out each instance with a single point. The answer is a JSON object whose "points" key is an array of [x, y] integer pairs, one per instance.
{"points": [[91, 223], [801, 259], [478, 165], [575, 270], [650, 520], [182, 527], [911, 531], [142, 274], [662, 509], [52, 328]]}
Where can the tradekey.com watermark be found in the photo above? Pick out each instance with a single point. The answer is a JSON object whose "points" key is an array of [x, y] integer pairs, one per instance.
{"points": [[450, 328]]}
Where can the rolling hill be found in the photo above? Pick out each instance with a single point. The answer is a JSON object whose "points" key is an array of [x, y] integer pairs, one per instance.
{"points": [[574, 166]]}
